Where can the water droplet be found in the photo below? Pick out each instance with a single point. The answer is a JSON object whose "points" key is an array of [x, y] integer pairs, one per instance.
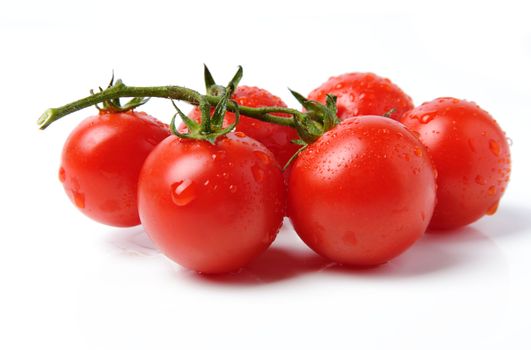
{"points": [[214, 156], [62, 174], [264, 158], [471, 145], [233, 188], [221, 154], [491, 191], [225, 175], [206, 183], [494, 147], [183, 192], [258, 173], [350, 238], [492, 209], [418, 151], [426, 118], [79, 199], [239, 134], [480, 180], [152, 141]]}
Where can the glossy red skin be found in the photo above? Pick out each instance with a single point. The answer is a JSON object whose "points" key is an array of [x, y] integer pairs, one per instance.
{"points": [[364, 94], [363, 193], [211, 208], [276, 138], [101, 162], [471, 155]]}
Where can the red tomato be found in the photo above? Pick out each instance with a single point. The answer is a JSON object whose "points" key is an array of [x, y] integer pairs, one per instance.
{"points": [[211, 208], [101, 161], [364, 94], [471, 154], [276, 138], [362, 193]]}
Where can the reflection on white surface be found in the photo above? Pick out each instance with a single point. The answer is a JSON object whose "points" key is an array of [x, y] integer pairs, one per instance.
{"points": [[466, 250]]}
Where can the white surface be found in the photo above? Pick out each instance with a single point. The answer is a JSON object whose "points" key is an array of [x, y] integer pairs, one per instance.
{"points": [[69, 283]]}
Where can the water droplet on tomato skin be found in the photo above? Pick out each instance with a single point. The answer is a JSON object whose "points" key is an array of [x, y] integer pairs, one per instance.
{"points": [[183, 192], [62, 174], [491, 191], [426, 118], [239, 134], [471, 145], [258, 173], [263, 157], [350, 238], [79, 199], [492, 209], [233, 188], [494, 147], [480, 180]]}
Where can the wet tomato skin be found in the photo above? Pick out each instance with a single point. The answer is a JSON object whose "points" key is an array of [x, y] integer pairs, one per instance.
{"points": [[211, 208], [276, 138], [364, 94], [363, 193], [472, 157], [101, 161]]}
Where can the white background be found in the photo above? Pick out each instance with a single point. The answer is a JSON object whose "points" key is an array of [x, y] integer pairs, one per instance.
{"points": [[69, 283]]}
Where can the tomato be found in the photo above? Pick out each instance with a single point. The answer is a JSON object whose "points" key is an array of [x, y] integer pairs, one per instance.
{"points": [[276, 138], [101, 161], [471, 154], [211, 208], [363, 192], [364, 94]]}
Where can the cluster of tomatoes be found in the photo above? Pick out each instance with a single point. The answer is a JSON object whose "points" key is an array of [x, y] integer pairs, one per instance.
{"points": [[360, 194]]}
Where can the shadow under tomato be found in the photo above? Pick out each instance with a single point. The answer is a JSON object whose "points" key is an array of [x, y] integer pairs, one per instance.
{"points": [[507, 222], [274, 265], [132, 241], [288, 258], [434, 253]]}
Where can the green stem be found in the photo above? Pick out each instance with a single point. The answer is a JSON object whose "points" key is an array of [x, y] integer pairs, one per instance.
{"points": [[171, 92]]}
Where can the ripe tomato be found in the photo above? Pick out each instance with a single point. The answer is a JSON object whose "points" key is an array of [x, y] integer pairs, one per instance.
{"points": [[101, 161], [471, 154], [211, 208], [276, 138], [362, 193], [364, 94]]}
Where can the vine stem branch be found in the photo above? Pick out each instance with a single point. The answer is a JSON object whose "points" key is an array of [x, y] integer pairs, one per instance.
{"points": [[119, 89]]}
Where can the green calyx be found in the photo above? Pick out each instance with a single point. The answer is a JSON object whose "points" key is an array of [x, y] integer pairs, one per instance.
{"points": [[312, 124], [211, 126], [317, 119]]}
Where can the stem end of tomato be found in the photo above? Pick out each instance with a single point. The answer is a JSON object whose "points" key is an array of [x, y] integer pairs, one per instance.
{"points": [[46, 118]]}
